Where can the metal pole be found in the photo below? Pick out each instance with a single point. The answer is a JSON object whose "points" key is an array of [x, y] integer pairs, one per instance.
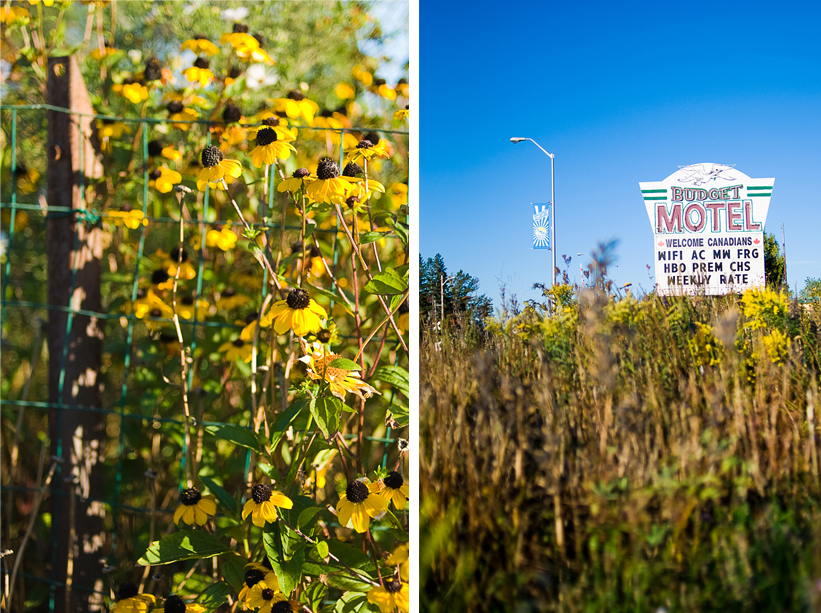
{"points": [[442, 299], [553, 215]]}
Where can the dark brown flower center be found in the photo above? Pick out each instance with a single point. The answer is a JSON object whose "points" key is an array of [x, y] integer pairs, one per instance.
{"points": [[352, 201], [253, 576], [352, 169], [190, 497], [155, 174], [357, 492], [298, 299], [231, 113], [377, 82], [238, 343], [127, 590], [301, 173], [202, 63], [271, 121], [228, 292], [188, 300], [393, 585], [364, 144], [327, 169], [236, 71], [211, 156], [153, 70], [266, 136], [394, 480], [267, 594], [159, 276], [323, 336], [155, 148], [174, 604], [295, 94], [283, 606], [261, 493], [174, 107], [175, 254], [240, 28]]}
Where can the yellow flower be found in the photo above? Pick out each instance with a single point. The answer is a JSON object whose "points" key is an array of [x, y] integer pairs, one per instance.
{"points": [[152, 306], [187, 307], [380, 87], [265, 596], [224, 239], [254, 574], [130, 601], [394, 595], [341, 380], [399, 558], [367, 150], [45, 2], [177, 112], [296, 181], [359, 503], [107, 128], [196, 74], [229, 299], [237, 349], [395, 490], [280, 126], [194, 508], [105, 53], [776, 343], [232, 136], [216, 169], [200, 45], [361, 74], [135, 92], [399, 194], [14, 14], [345, 91], [298, 312], [402, 88], [262, 507], [130, 219], [171, 153], [165, 179], [296, 105], [329, 186], [401, 113], [268, 148]]}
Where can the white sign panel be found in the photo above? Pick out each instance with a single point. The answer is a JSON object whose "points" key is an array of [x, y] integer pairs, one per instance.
{"points": [[708, 228]]}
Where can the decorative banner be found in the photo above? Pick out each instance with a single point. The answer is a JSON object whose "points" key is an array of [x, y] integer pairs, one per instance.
{"points": [[708, 226], [541, 226]]}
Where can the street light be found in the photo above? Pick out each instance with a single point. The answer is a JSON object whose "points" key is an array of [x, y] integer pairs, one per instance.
{"points": [[519, 139]]}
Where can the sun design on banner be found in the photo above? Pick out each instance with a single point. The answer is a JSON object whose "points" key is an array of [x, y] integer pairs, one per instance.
{"points": [[541, 226]]}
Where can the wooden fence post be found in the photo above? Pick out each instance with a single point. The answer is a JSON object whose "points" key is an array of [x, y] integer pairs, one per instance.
{"points": [[74, 249]]}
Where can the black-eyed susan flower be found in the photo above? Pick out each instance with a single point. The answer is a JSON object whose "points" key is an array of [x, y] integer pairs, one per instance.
{"points": [[344, 90], [188, 306], [341, 381], [268, 599], [153, 70], [129, 600], [223, 238], [151, 305], [170, 261], [254, 573], [398, 193], [229, 299], [200, 45], [175, 604], [271, 120], [329, 187], [106, 51], [231, 137], [262, 507], [269, 148], [362, 74], [381, 87], [313, 264], [298, 312], [402, 87], [359, 503], [402, 113], [108, 128], [399, 558], [296, 105], [216, 169], [14, 15], [391, 595], [194, 508], [366, 149], [177, 112], [237, 349], [160, 279], [395, 489], [200, 72], [165, 179], [297, 181]]}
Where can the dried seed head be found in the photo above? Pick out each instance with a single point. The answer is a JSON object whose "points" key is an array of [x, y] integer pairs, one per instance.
{"points": [[211, 156], [327, 169], [298, 299], [261, 493], [394, 480], [190, 497], [266, 136], [357, 492]]}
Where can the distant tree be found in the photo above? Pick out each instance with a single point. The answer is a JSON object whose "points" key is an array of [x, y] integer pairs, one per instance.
{"points": [[459, 294], [775, 266], [811, 291]]}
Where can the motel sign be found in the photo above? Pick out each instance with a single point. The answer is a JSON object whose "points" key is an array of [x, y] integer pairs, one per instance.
{"points": [[708, 229]]}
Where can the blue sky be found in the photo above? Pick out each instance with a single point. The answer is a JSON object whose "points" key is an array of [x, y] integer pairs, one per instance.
{"points": [[621, 93]]}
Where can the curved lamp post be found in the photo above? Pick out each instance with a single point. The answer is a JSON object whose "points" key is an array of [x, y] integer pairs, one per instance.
{"points": [[519, 139]]}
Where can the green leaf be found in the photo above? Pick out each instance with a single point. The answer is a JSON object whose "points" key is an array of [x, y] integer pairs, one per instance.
{"points": [[395, 376], [387, 282], [272, 542], [399, 414], [289, 572], [345, 364], [235, 434], [182, 545], [322, 549], [226, 499], [285, 418], [355, 602], [215, 596], [306, 516], [235, 89], [233, 570], [347, 582], [326, 414], [398, 227], [371, 237]]}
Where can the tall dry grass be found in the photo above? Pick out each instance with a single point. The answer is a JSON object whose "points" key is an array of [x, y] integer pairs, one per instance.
{"points": [[624, 455]]}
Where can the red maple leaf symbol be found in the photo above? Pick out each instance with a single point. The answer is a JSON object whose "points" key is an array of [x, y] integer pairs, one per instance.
{"points": [[661, 243], [756, 241]]}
